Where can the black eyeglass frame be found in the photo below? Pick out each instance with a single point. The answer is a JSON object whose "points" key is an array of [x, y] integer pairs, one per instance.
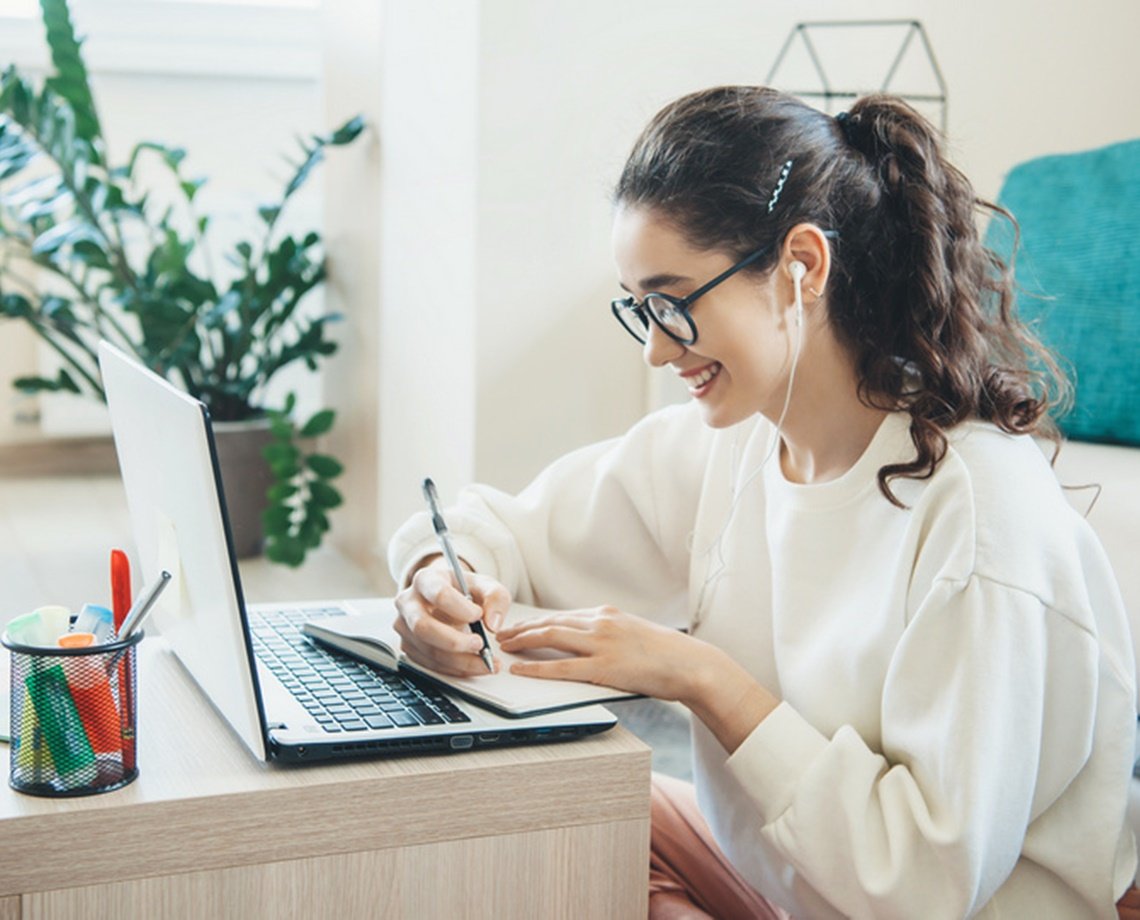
{"points": [[681, 304]]}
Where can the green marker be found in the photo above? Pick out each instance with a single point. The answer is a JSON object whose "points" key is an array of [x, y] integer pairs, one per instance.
{"points": [[61, 727]]}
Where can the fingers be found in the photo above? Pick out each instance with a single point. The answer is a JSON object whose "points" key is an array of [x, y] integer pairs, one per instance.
{"points": [[436, 585], [581, 620], [564, 636], [434, 618], [462, 663], [560, 669], [492, 596], [423, 625]]}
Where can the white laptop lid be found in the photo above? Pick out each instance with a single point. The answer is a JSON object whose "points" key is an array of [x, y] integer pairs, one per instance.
{"points": [[167, 461]]}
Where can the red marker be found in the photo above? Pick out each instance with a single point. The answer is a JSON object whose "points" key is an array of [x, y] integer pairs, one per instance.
{"points": [[120, 587], [120, 605]]}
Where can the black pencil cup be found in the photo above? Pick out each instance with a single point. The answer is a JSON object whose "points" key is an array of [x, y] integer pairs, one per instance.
{"points": [[73, 717]]}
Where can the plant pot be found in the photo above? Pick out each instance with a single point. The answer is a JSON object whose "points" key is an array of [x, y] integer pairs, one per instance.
{"points": [[245, 479]]}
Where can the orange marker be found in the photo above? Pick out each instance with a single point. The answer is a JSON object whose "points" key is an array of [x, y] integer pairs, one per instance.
{"points": [[76, 640]]}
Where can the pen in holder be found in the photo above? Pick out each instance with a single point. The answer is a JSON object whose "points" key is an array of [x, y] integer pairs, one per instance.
{"points": [[73, 717]]}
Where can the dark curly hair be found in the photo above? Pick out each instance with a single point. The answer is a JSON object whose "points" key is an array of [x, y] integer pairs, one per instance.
{"points": [[926, 310]]}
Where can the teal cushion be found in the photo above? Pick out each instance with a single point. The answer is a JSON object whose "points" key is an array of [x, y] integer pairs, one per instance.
{"points": [[1078, 269]]}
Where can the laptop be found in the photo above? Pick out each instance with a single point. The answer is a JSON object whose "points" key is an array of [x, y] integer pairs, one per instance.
{"points": [[285, 697]]}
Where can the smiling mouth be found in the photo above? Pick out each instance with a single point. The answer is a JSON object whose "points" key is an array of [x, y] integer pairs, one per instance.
{"points": [[699, 380]]}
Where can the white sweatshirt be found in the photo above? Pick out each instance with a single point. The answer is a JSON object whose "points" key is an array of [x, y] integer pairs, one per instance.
{"points": [[956, 732]]}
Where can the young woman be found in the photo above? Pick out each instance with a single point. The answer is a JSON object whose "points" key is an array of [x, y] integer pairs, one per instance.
{"points": [[906, 657]]}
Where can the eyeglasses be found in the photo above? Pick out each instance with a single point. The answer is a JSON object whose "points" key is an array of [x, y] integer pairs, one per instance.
{"points": [[671, 314]]}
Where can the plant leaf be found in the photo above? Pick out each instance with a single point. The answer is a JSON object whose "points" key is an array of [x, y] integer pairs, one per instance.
{"points": [[64, 234], [280, 451], [190, 187], [70, 80], [324, 495], [15, 306], [280, 491], [276, 519], [286, 550], [171, 156], [63, 383], [348, 132], [324, 466], [91, 253], [318, 424]]}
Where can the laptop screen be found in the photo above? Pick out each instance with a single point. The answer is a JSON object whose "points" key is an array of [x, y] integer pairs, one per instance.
{"points": [[170, 475]]}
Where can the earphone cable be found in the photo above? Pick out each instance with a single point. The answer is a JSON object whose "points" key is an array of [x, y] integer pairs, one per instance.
{"points": [[738, 493]]}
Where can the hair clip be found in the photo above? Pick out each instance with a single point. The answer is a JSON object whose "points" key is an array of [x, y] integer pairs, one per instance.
{"points": [[787, 168], [845, 122]]}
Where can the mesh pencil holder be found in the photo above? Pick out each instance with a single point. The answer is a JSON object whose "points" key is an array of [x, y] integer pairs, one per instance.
{"points": [[73, 717]]}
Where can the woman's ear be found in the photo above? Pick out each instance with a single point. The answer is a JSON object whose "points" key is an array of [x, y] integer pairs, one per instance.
{"points": [[806, 244]]}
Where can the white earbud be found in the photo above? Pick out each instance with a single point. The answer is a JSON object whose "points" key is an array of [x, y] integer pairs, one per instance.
{"points": [[798, 270]]}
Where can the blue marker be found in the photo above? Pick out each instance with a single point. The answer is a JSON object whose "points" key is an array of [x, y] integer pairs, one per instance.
{"points": [[96, 620]]}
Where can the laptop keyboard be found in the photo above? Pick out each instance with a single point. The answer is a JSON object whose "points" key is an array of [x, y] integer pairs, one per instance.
{"points": [[342, 694]]}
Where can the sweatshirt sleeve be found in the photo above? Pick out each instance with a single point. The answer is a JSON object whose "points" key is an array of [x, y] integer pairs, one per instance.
{"points": [[934, 821], [607, 524]]}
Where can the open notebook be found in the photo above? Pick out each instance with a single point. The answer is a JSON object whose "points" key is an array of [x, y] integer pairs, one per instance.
{"points": [[370, 637]]}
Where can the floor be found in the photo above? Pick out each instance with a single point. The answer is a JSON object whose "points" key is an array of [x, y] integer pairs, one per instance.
{"points": [[664, 727], [56, 534]]}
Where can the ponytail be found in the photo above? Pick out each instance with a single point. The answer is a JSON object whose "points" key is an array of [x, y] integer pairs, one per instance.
{"points": [[925, 310], [926, 285]]}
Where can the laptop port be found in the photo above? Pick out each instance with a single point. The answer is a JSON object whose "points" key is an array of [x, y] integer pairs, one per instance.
{"points": [[461, 742], [489, 737]]}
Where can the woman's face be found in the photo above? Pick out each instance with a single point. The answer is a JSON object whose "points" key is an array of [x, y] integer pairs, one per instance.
{"points": [[740, 361]]}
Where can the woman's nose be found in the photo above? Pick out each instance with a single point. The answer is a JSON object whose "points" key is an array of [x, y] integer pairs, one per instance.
{"points": [[659, 349]]}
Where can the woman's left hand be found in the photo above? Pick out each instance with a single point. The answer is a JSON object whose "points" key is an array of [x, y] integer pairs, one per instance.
{"points": [[607, 647], [627, 652]]}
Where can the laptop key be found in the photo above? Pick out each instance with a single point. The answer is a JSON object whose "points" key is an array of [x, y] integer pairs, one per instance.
{"points": [[427, 715], [453, 714], [403, 718], [379, 720]]}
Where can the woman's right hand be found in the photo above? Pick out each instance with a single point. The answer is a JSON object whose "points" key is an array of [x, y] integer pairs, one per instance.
{"points": [[433, 618]]}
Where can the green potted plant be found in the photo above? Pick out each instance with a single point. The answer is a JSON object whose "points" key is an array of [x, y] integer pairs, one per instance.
{"points": [[87, 253]]}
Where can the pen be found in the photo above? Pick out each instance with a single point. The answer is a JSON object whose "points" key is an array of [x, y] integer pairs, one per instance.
{"points": [[456, 568], [142, 606], [134, 618]]}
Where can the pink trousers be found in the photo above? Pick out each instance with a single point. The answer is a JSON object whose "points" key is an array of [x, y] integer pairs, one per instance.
{"points": [[690, 878]]}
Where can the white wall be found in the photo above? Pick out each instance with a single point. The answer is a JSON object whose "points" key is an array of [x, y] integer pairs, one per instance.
{"points": [[471, 231], [563, 87], [353, 226]]}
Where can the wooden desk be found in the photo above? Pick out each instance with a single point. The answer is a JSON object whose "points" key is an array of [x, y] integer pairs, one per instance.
{"points": [[208, 832]]}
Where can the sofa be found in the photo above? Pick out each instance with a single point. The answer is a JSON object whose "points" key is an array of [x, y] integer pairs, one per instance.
{"points": [[1077, 267], [1115, 516]]}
